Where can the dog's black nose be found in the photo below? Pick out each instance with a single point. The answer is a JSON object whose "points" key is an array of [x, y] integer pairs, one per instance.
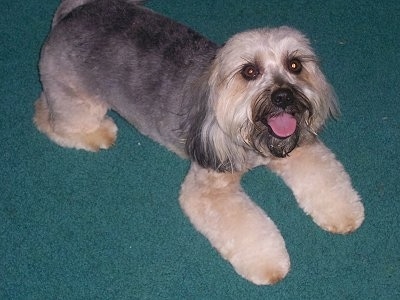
{"points": [[282, 97]]}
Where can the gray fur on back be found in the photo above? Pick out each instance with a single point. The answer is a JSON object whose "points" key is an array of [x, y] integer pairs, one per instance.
{"points": [[147, 76], [67, 6]]}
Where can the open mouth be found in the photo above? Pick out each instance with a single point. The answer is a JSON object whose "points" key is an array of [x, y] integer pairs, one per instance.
{"points": [[282, 134], [282, 125]]}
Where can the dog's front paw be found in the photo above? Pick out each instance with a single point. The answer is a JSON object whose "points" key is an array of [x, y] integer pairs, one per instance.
{"points": [[322, 188], [262, 266], [343, 215], [240, 230]]}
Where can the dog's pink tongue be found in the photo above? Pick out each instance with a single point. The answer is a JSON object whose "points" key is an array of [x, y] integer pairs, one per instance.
{"points": [[283, 125]]}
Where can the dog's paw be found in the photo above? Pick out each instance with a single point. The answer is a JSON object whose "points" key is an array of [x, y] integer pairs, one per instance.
{"points": [[102, 138], [322, 188], [258, 253], [264, 267], [341, 216], [241, 231]]}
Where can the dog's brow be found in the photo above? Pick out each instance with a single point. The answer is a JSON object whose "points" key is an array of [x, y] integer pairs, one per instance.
{"points": [[248, 60], [302, 57]]}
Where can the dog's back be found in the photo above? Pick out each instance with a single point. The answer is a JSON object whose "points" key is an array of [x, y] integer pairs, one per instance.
{"points": [[116, 54], [67, 6]]}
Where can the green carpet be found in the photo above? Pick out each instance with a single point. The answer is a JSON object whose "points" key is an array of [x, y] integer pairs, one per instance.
{"points": [[78, 225]]}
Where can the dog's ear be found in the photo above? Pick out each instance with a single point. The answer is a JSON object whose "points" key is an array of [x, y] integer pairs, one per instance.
{"points": [[201, 129], [325, 104]]}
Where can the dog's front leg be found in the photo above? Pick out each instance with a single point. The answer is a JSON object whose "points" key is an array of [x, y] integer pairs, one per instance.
{"points": [[235, 226], [322, 187]]}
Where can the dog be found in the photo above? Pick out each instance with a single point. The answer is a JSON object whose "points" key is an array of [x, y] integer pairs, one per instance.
{"points": [[258, 100]]}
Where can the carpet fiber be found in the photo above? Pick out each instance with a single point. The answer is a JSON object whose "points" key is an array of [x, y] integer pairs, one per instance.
{"points": [[78, 225]]}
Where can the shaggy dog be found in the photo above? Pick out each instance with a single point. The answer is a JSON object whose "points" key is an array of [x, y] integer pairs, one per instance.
{"points": [[260, 99]]}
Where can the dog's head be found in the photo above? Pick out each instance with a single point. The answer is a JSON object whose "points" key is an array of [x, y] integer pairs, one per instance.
{"points": [[264, 93]]}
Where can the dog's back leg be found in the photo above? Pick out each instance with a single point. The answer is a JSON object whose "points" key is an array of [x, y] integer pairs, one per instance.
{"points": [[74, 119]]}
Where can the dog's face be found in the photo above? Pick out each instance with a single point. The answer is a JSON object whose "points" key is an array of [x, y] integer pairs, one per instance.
{"points": [[266, 93]]}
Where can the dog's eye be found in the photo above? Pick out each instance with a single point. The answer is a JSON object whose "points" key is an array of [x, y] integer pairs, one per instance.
{"points": [[250, 72], [295, 66]]}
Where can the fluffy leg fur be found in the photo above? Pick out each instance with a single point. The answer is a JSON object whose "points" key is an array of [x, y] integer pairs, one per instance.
{"points": [[235, 226], [322, 188], [81, 125]]}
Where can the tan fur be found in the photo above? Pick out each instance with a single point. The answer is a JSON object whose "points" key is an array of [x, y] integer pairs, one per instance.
{"points": [[92, 133], [322, 188], [235, 226]]}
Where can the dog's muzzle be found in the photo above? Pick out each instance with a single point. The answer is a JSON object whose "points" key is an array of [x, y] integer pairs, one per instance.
{"points": [[279, 116], [282, 123]]}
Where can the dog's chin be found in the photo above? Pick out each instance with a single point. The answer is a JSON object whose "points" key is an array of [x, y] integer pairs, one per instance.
{"points": [[280, 137], [266, 142], [281, 147]]}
